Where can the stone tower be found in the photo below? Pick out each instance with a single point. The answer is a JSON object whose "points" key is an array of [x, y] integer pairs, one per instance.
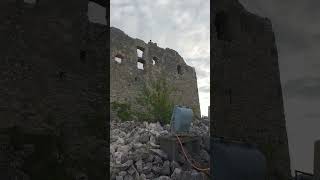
{"points": [[130, 70], [53, 88], [246, 84]]}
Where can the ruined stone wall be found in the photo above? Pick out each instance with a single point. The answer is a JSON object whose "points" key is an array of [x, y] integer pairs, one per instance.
{"points": [[126, 80], [53, 83], [247, 92]]}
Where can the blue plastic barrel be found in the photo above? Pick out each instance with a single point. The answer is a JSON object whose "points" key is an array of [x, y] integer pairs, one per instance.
{"points": [[181, 119]]}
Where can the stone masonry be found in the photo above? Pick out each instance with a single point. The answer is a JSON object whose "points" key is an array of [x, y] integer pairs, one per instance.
{"points": [[247, 97], [126, 80], [53, 89]]}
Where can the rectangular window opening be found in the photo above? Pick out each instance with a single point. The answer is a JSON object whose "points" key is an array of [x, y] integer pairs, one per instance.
{"points": [[140, 64], [139, 52]]}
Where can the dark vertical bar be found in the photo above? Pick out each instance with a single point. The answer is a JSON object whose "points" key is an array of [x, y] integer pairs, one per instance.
{"points": [[212, 72], [108, 90]]}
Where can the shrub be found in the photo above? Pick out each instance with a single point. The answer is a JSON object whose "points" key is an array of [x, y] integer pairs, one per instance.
{"points": [[155, 97], [123, 110]]}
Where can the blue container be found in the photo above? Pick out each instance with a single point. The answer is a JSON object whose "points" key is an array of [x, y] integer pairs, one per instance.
{"points": [[181, 120]]}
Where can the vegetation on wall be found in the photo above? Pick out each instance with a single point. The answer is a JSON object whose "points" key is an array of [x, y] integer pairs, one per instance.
{"points": [[155, 97], [123, 110], [156, 101]]}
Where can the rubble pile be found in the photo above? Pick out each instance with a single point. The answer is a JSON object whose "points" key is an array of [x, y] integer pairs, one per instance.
{"points": [[136, 154]]}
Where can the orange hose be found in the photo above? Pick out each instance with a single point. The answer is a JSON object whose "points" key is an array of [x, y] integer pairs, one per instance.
{"points": [[197, 168]]}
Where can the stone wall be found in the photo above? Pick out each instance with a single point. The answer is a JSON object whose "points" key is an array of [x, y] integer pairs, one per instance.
{"points": [[127, 80], [53, 86], [246, 84], [316, 168]]}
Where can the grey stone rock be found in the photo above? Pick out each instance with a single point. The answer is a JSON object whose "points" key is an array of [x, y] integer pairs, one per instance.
{"points": [[126, 165], [150, 175], [128, 177], [160, 153], [156, 170], [150, 158], [142, 177], [143, 160], [144, 138], [174, 165], [122, 173], [157, 160], [163, 178], [147, 168], [139, 165], [119, 178], [131, 170], [176, 175]]}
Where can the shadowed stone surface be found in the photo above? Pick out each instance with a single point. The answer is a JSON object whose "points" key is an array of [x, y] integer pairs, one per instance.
{"points": [[247, 93], [53, 89], [316, 169]]}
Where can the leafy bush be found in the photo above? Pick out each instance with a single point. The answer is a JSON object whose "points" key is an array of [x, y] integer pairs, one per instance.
{"points": [[123, 110], [156, 100]]}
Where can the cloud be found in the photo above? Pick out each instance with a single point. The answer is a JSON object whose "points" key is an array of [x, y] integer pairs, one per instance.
{"points": [[312, 115], [205, 89], [306, 88], [180, 25]]}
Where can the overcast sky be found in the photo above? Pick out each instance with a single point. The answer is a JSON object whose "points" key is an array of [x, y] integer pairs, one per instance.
{"points": [[182, 25], [297, 28]]}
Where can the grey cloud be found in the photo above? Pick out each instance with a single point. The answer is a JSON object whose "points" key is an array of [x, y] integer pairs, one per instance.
{"points": [[303, 88], [312, 115], [202, 74]]}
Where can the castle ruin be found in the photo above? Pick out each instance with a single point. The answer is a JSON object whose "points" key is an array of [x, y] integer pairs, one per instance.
{"points": [[134, 63], [247, 95]]}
